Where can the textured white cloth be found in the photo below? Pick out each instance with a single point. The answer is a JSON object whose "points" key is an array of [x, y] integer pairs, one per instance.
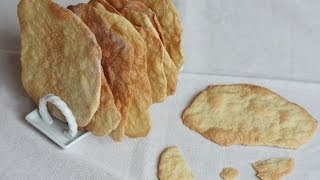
{"points": [[273, 42]]}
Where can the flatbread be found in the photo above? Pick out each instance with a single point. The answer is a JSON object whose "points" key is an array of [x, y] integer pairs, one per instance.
{"points": [[106, 5], [229, 173], [114, 49], [171, 24], [139, 19], [141, 100], [107, 116], [170, 70], [141, 8], [173, 166], [155, 54], [59, 55], [249, 115], [274, 169]]}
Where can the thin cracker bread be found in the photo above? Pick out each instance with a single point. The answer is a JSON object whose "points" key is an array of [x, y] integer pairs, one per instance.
{"points": [[141, 100], [59, 55], [249, 115], [106, 5], [274, 169], [173, 166], [171, 72], [155, 54], [171, 24], [169, 68], [229, 173], [107, 117], [141, 8], [139, 19]]}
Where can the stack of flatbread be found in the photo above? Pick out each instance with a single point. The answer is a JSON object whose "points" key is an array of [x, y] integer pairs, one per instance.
{"points": [[109, 60]]}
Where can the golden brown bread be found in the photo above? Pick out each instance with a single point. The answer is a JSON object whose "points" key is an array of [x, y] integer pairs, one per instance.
{"points": [[59, 55], [141, 89], [170, 70], [171, 24], [155, 54], [229, 173], [114, 48], [107, 116], [106, 5], [139, 7], [273, 169], [173, 166], [249, 115]]}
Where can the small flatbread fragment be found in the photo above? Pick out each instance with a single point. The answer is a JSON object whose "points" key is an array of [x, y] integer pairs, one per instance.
{"points": [[173, 166], [138, 115], [273, 169], [117, 53], [249, 115], [60, 56], [229, 173], [171, 24], [170, 70]]}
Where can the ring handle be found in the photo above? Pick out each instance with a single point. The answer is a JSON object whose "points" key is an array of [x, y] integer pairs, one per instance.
{"points": [[62, 106]]}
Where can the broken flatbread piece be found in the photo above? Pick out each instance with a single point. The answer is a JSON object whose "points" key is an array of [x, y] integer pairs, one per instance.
{"points": [[229, 173], [173, 166], [249, 115], [273, 169], [60, 56], [117, 62]]}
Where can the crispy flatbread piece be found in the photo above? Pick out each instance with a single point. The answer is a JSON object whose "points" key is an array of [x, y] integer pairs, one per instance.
{"points": [[170, 70], [274, 169], [106, 5], [59, 55], [173, 166], [117, 53], [155, 54], [141, 100], [249, 115], [107, 116], [139, 19], [171, 25], [141, 8], [229, 173]]}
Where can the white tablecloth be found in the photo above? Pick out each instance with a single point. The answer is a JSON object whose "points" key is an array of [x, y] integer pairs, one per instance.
{"points": [[271, 43]]}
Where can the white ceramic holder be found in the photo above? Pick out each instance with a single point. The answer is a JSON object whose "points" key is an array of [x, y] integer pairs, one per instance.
{"points": [[61, 133]]}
